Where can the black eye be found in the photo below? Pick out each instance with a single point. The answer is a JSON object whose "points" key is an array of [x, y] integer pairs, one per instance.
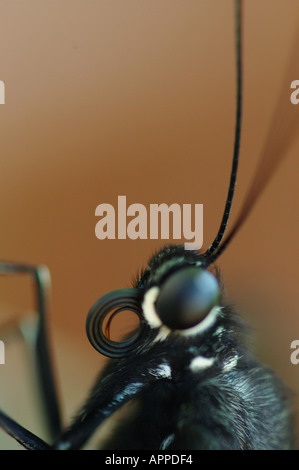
{"points": [[186, 297]]}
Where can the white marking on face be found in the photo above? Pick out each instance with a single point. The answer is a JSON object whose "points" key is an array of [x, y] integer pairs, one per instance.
{"points": [[148, 307], [163, 333], [200, 363], [150, 314], [231, 363], [168, 440]]}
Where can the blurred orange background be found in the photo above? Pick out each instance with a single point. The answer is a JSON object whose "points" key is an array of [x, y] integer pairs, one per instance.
{"points": [[138, 99]]}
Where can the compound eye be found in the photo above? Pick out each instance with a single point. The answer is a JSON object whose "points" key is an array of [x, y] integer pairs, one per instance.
{"points": [[186, 297]]}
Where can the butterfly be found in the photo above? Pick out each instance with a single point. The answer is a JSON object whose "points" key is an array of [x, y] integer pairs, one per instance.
{"points": [[192, 381]]}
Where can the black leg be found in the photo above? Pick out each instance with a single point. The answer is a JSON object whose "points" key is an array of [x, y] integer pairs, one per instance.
{"points": [[121, 381], [25, 438], [41, 278]]}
